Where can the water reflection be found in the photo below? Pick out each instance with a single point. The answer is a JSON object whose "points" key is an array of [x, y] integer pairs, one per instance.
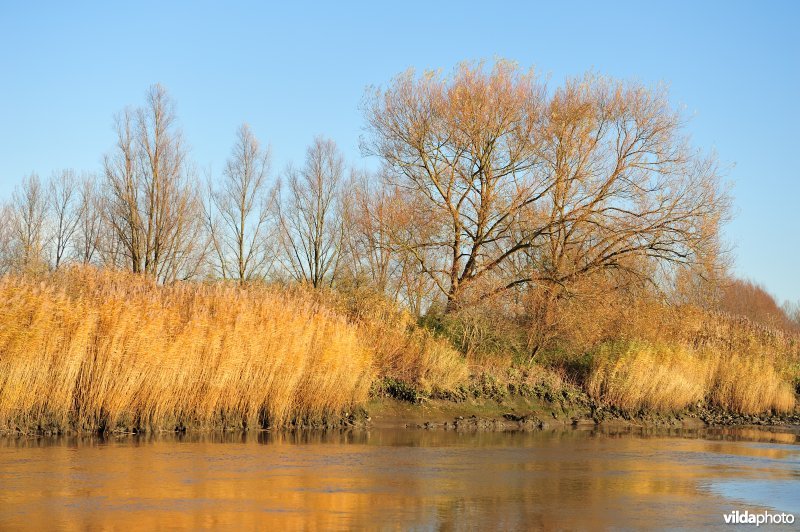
{"points": [[780, 494], [396, 478]]}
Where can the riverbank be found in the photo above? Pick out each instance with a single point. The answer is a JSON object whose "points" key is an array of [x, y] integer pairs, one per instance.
{"points": [[482, 414], [519, 413], [89, 351], [489, 403]]}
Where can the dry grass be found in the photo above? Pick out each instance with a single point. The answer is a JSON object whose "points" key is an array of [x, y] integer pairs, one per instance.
{"points": [[89, 350], [646, 354], [402, 350], [751, 385], [638, 375]]}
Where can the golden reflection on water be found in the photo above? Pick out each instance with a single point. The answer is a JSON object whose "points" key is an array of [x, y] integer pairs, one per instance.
{"points": [[384, 479]]}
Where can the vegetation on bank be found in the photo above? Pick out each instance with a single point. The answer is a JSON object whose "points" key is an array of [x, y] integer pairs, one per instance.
{"points": [[92, 350], [84, 349], [635, 376]]}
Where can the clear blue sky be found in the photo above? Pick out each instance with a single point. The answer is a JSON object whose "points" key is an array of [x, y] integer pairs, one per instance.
{"points": [[293, 71]]}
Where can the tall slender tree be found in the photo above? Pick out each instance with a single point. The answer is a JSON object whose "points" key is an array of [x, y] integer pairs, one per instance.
{"points": [[153, 204], [311, 226], [239, 212], [66, 207], [28, 225]]}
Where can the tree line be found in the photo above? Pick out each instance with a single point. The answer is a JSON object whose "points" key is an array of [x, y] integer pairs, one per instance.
{"points": [[492, 185]]}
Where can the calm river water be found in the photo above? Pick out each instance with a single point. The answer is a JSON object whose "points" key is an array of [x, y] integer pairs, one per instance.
{"points": [[397, 479]]}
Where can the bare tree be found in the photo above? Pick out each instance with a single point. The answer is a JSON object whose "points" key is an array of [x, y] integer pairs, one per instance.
{"points": [[750, 299], [792, 311], [124, 186], [238, 216], [6, 238], [462, 151], [366, 209], [90, 223], [701, 282], [153, 205], [522, 187], [310, 225], [66, 208], [375, 216], [28, 230], [623, 184], [111, 251]]}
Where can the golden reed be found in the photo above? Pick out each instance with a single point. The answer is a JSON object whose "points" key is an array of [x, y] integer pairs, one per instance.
{"points": [[88, 349], [638, 375]]}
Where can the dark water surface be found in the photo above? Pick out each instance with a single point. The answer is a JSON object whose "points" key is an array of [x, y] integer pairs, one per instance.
{"points": [[397, 479]]}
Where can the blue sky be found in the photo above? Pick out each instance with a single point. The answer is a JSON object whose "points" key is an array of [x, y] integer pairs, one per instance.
{"points": [[294, 70]]}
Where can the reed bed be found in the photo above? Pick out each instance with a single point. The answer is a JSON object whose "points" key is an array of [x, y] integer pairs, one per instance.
{"points": [[87, 349], [402, 350], [635, 376], [92, 350]]}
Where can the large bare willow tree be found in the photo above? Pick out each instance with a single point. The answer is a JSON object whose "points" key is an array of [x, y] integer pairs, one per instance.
{"points": [[515, 184]]}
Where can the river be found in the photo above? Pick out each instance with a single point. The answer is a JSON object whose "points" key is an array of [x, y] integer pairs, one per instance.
{"points": [[398, 479]]}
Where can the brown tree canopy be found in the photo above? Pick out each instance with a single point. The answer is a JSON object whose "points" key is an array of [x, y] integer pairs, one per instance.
{"points": [[492, 181], [749, 299], [514, 183]]}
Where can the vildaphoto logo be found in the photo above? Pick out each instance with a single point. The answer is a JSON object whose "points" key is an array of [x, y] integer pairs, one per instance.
{"points": [[764, 518]]}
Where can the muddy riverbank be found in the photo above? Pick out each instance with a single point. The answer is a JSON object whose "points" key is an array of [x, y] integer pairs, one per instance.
{"points": [[513, 412], [519, 413]]}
